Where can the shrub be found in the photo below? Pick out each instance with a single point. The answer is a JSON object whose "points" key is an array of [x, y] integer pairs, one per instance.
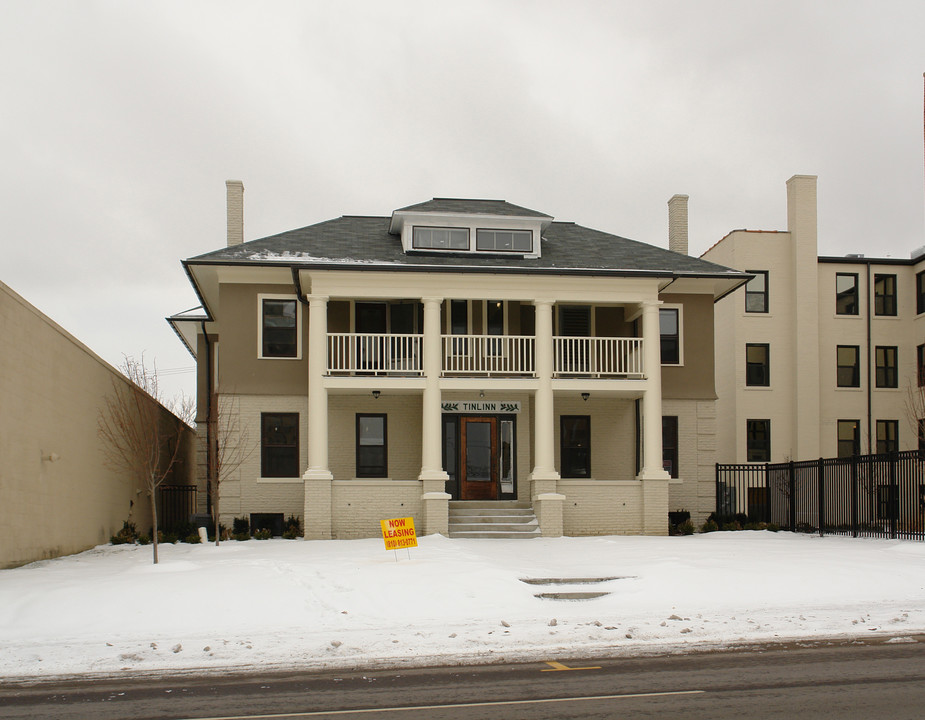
{"points": [[241, 526], [292, 528], [144, 540], [731, 527], [686, 528], [128, 534], [262, 534], [709, 526], [193, 539]]}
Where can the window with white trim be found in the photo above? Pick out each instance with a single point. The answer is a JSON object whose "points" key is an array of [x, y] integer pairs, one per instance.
{"points": [[440, 238], [669, 328], [504, 240], [279, 328]]}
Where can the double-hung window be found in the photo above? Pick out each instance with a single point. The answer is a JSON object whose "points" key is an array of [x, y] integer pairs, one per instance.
{"points": [[884, 294], [848, 366], [920, 364], [669, 325], [758, 440], [575, 446], [372, 446], [279, 445], [920, 292], [887, 436], [279, 327], [756, 292], [846, 293], [849, 438], [670, 444], [757, 365], [886, 366]]}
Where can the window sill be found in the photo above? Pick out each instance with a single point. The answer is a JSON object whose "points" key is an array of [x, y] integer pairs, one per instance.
{"points": [[840, 388], [759, 387], [290, 481]]}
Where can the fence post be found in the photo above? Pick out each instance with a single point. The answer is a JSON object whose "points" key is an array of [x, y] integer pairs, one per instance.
{"points": [[854, 495], [793, 498], [821, 481], [893, 495], [716, 490]]}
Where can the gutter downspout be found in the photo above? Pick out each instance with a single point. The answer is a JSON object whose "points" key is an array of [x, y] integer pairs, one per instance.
{"points": [[870, 366], [210, 413]]}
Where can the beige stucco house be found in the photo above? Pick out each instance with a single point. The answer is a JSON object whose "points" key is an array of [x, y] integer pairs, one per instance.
{"points": [[458, 358], [820, 352], [57, 496]]}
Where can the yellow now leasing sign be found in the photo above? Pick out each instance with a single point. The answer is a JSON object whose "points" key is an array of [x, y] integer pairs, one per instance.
{"points": [[399, 533]]}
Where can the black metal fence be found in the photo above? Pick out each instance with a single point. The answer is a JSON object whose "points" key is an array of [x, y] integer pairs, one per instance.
{"points": [[176, 504], [860, 496]]}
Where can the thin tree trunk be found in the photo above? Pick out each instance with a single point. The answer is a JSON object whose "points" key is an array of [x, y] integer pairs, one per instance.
{"points": [[154, 520]]}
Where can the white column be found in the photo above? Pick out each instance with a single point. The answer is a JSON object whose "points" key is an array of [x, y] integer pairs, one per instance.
{"points": [[544, 420], [317, 394], [431, 448], [652, 397]]}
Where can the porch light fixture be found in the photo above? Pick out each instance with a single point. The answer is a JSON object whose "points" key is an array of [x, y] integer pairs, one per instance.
{"points": [[585, 396], [481, 393], [376, 394]]}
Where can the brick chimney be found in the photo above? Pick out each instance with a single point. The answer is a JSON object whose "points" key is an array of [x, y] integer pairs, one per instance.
{"points": [[234, 190], [677, 224]]}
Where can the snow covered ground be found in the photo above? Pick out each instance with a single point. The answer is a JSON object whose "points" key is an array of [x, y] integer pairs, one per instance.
{"points": [[343, 604]]}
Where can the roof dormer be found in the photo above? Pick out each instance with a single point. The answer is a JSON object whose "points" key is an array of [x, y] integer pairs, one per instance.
{"points": [[469, 226]]}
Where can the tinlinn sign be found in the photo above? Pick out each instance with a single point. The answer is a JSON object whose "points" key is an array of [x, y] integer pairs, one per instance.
{"points": [[480, 406]]}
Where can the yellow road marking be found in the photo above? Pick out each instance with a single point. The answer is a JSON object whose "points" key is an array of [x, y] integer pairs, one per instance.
{"points": [[557, 666]]}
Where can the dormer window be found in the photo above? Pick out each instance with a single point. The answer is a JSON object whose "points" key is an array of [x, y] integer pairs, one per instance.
{"points": [[504, 240], [437, 238]]}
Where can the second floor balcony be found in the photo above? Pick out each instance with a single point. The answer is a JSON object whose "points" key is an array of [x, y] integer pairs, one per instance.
{"points": [[484, 356]]}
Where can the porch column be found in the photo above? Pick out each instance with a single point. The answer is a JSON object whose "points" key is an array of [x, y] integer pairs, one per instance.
{"points": [[546, 501], [433, 477], [318, 477], [653, 476]]}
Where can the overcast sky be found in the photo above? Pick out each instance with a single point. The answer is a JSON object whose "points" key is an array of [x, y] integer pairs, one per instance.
{"points": [[120, 122]]}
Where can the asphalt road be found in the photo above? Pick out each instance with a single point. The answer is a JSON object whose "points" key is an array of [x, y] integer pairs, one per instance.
{"points": [[844, 681]]}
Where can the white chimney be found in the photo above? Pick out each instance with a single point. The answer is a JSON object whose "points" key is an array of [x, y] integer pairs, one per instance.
{"points": [[677, 224], [234, 191]]}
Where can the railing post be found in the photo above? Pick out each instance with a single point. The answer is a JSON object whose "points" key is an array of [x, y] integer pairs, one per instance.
{"points": [[854, 495], [791, 480], [893, 495], [821, 481], [716, 490]]}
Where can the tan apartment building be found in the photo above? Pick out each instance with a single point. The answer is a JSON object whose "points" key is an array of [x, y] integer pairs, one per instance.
{"points": [[820, 353], [457, 361], [57, 496]]}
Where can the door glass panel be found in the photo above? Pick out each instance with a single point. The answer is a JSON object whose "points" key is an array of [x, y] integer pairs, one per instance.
{"points": [[478, 451], [507, 456]]}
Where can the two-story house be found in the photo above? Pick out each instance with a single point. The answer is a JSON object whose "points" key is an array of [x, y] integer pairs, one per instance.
{"points": [[458, 353]]}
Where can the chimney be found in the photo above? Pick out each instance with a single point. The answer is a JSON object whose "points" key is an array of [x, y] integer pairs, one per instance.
{"points": [[677, 224], [234, 190]]}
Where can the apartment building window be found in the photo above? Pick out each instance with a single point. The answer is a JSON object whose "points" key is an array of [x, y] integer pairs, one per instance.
{"points": [[575, 446], [670, 444], [372, 446], [884, 295], [849, 366], [920, 292], [846, 294], [886, 366], [279, 445], [920, 364], [887, 436], [279, 327], [758, 440], [669, 325], [757, 365], [849, 438], [756, 292], [504, 240], [921, 435], [437, 238]]}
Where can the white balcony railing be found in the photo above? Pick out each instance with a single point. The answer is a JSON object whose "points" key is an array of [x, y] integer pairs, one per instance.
{"points": [[374, 354], [488, 355], [598, 357]]}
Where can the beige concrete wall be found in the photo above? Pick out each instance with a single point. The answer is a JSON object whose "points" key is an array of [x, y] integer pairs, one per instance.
{"points": [[694, 489], [358, 505], [695, 377], [52, 389], [602, 507], [613, 432]]}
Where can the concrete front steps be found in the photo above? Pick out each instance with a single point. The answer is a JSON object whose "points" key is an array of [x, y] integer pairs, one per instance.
{"points": [[492, 519]]}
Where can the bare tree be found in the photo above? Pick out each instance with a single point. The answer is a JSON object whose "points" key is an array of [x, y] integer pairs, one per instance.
{"points": [[139, 434], [229, 446], [915, 407]]}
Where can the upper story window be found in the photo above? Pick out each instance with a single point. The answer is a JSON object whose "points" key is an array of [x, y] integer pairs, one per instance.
{"points": [[884, 295], [848, 371], [920, 293], [846, 294], [279, 327], [756, 292], [757, 364], [504, 240], [436, 238], [669, 325]]}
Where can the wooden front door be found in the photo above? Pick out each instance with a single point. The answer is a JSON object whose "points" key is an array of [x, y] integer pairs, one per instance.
{"points": [[478, 458]]}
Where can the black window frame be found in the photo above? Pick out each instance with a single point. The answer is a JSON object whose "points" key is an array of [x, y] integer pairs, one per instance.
{"points": [[848, 375], [920, 292], [887, 371], [670, 341], [846, 301], [279, 459], [575, 458], [752, 296], [364, 467], [889, 443], [758, 440], [758, 374], [885, 294], [920, 365], [279, 341], [848, 446], [670, 445]]}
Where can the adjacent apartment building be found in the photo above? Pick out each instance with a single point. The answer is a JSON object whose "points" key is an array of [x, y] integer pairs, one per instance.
{"points": [[456, 354], [819, 354]]}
